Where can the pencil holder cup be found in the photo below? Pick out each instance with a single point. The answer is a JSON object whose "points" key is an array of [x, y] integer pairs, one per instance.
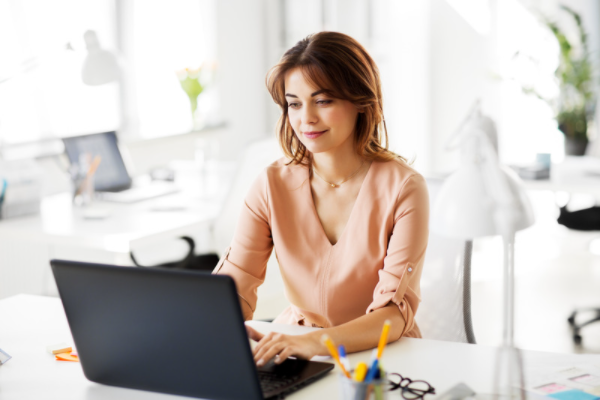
{"points": [[353, 390], [83, 190]]}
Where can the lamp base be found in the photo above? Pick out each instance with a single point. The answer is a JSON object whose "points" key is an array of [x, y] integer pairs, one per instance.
{"points": [[509, 380]]}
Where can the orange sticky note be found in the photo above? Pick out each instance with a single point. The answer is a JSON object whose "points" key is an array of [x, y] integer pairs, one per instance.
{"points": [[59, 348], [66, 357]]}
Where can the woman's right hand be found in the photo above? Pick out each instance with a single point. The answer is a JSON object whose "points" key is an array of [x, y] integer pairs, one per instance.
{"points": [[282, 346]]}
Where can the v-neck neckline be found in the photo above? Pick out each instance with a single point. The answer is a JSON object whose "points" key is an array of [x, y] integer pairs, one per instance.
{"points": [[350, 217]]}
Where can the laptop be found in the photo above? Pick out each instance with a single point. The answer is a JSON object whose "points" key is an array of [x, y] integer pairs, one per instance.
{"points": [[169, 331], [112, 181]]}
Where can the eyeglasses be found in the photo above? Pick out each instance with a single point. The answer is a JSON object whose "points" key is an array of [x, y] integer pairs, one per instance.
{"points": [[409, 389]]}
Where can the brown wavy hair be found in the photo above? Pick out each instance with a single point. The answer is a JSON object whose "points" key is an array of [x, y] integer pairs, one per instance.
{"points": [[338, 64]]}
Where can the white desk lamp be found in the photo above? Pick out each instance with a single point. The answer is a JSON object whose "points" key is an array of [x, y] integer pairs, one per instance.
{"points": [[484, 198], [100, 66]]}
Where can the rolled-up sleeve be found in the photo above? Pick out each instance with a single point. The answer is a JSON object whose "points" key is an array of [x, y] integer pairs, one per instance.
{"points": [[246, 259], [401, 273]]}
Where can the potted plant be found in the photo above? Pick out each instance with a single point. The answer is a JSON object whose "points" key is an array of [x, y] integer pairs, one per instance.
{"points": [[576, 103]]}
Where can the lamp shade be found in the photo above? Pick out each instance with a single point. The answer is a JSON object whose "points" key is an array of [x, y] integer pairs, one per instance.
{"points": [[483, 197], [100, 66], [465, 207]]}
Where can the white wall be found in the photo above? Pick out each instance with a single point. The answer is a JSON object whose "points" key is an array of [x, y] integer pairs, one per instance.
{"points": [[242, 55], [405, 67], [433, 64], [461, 65]]}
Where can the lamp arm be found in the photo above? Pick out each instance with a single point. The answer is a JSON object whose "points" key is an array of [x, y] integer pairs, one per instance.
{"points": [[459, 134], [504, 217], [498, 187]]}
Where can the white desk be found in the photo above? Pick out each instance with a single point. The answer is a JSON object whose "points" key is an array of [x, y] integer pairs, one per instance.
{"points": [[573, 175], [63, 231], [30, 323]]}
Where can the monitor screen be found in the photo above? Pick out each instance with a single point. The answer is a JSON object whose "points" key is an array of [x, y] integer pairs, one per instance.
{"points": [[111, 175]]}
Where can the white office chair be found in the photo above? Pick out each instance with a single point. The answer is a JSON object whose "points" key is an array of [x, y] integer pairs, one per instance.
{"points": [[256, 157], [445, 309]]}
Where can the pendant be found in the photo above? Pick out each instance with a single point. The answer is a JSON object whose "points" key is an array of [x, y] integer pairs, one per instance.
{"points": [[333, 185]]}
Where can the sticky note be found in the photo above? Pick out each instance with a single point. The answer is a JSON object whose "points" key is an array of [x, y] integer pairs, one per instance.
{"points": [[74, 353], [552, 388], [66, 357], [59, 348], [573, 395], [587, 379]]}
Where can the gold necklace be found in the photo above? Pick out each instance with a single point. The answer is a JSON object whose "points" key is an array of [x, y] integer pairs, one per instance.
{"points": [[336, 185]]}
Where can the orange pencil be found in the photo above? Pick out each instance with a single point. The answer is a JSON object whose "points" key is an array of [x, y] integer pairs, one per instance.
{"points": [[326, 340], [383, 338], [90, 173], [94, 166]]}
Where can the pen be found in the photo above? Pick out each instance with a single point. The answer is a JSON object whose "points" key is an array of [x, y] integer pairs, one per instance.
{"points": [[372, 371], [326, 340], [383, 338], [373, 356], [343, 358]]}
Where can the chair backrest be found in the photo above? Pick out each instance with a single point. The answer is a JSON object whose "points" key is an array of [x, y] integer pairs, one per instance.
{"points": [[445, 309], [256, 157]]}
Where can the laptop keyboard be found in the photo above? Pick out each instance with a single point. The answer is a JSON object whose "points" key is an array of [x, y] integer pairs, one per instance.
{"points": [[270, 381]]}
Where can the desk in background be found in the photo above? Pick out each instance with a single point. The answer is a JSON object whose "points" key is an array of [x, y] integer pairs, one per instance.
{"points": [[573, 175], [30, 323], [81, 234]]}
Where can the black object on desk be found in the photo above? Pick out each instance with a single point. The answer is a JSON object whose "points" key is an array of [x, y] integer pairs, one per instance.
{"points": [[587, 219], [197, 262], [168, 331]]}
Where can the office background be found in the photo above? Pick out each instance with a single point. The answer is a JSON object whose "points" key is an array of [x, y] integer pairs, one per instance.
{"points": [[436, 58]]}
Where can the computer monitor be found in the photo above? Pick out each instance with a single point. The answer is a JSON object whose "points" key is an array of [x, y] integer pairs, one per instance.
{"points": [[111, 175]]}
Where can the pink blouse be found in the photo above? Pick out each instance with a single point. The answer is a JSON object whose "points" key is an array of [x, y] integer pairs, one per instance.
{"points": [[378, 258]]}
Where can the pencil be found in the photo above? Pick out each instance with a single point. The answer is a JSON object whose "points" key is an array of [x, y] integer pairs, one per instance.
{"points": [[326, 340], [94, 166], [383, 338], [90, 173]]}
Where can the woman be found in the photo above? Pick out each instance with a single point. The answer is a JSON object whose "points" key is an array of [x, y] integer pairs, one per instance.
{"points": [[348, 219]]}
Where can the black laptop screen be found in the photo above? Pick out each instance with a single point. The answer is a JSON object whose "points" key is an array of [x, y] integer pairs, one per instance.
{"points": [[111, 175]]}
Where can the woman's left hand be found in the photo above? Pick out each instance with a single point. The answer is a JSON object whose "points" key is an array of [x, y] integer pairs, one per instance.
{"points": [[283, 346]]}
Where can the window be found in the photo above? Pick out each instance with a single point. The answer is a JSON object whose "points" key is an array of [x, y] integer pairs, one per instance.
{"points": [[167, 37], [528, 57], [41, 43], [41, 93]]}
